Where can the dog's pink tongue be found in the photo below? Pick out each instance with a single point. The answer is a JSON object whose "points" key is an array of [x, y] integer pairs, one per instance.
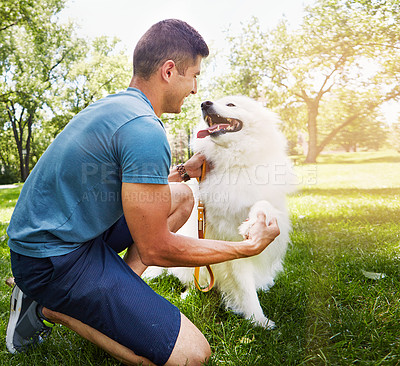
{"points": [[210, 130], [203, 133]]}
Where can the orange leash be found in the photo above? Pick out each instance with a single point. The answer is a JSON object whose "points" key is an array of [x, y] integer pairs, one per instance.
{"points": [[201, 219]]}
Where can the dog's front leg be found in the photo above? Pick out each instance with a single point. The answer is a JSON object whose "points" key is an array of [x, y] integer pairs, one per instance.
{"points": [[240, 294]]}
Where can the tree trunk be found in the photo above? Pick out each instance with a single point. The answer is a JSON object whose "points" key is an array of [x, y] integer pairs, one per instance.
{"points": [[313, 148], [25, 157], [18, 126]]}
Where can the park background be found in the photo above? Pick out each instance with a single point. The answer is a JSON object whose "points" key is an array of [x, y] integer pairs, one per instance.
{"points": [[329, 68]]}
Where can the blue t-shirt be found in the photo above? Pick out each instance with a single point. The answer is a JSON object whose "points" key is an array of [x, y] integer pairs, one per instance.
{"points": [[74, 192]]}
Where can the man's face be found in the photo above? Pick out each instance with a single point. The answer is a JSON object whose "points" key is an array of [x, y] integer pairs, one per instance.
{"points": [[181, 86]]}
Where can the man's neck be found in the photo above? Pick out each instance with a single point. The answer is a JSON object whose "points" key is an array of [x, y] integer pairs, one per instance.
{"points": [[149, 89]]}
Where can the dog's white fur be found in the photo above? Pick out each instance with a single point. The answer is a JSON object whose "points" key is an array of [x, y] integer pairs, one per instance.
{"points": [[250, 173]]}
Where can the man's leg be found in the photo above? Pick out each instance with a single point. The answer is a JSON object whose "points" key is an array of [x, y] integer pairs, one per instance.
{"points": [[182, 203], [191, 347], [190, 336], [116, 350]]}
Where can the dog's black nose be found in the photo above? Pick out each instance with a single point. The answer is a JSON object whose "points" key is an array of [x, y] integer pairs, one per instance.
{"points": [[206, 104]]}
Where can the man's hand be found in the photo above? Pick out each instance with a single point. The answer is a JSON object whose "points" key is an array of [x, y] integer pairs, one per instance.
{"points": [[194, 164], [192, 167], [261, 235]]}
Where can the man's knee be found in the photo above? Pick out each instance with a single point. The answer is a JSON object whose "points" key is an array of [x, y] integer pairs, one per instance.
{"points": [[191, 346], [200, 351], [182, 198], [187, 200], [203, 353]]}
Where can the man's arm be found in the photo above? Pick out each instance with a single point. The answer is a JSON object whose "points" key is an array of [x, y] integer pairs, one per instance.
{"points": [[146, 208]]}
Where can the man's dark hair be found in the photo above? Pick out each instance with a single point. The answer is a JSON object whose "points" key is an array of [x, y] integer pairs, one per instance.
{"points": [[170, 39]]}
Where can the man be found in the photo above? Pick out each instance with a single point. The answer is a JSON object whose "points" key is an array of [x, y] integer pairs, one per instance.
{"points": [[101, 187]]}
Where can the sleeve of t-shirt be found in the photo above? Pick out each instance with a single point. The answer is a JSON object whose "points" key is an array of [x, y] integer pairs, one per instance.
{"points": [[142, 151]]}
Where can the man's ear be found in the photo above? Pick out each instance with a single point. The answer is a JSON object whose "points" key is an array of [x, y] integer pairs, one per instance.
{"points": [[168, 69]]}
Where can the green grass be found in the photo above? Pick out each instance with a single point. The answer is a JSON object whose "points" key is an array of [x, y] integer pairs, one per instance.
{"points": [[345, 221]]}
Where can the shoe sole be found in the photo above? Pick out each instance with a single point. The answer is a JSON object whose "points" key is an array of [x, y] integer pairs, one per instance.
{"points": [[15, 311]]}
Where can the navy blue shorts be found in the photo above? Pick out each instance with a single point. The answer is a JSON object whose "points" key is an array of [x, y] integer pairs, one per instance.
{"points": [[94, 285]]}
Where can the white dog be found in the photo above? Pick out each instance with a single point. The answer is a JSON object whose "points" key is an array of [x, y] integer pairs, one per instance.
{"points": [[250, 172]]}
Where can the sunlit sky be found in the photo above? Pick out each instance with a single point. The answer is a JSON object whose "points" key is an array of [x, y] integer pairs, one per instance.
{"points": [[129, 19]]}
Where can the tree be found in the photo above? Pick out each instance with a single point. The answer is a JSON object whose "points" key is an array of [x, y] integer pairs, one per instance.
{"points": [[366, 131], [395, 136], [37, 56], [349, 57], [342, 45], [49, 76], [102, 71]]}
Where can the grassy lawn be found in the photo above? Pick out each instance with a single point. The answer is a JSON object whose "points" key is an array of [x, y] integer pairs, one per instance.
{"points": [[336, 303]]}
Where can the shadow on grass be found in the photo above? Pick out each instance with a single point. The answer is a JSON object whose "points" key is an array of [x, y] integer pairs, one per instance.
{"points": [[348, 208], [358, 159], [351, 192]]}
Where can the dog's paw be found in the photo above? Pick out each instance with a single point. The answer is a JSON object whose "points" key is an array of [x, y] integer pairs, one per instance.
{"points": [[269, 324], [187, 292], [184, 295], [265, 323], [260, 206], [244, 228]]}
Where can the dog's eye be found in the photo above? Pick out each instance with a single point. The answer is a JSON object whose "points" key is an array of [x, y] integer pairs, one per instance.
{"points": [[230, 105]]}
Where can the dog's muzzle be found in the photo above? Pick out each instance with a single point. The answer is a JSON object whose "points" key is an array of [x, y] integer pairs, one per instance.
{"points": [[218, 124]]}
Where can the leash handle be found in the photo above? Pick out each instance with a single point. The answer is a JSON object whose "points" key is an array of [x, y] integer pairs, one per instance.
{"points": [[196, 279], [201, 220], [201, 211]]}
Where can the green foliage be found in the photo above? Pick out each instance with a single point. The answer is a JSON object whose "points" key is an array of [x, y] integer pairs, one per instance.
{"points": [[395, 136], [37, 55], [341, 48], [48, 75], [101, 72], [366, 131]]}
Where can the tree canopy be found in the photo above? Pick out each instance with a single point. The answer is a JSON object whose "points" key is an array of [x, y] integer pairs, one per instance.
{"points": [[48, 74], [342, 47]]}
